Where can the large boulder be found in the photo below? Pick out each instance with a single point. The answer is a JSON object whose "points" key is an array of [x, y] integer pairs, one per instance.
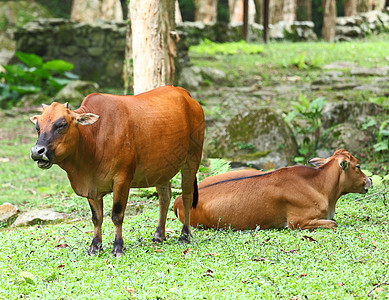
{"points": [[8, 214], [258, 138], [76, 90], [339, 112], [44, 216]]}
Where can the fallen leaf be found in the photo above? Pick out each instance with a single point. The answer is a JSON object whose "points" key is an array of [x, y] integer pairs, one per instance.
{"points": [[62, 246], [28, 277], [169, 231], [374, 243], [209, 273], [380, 289], [158, 250], [290, 251], [137, 271], [130, 290], [187, 250], [61, 266], [212, 254], [258, 259], [340, 284], [303, 274], [308, 238]]}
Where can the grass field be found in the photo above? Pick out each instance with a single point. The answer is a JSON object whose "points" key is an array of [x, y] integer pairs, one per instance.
{"points": [[50, 262]]}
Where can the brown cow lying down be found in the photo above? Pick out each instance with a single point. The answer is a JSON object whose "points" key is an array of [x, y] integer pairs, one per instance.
{"points": [[295, 197], [112, 143]]}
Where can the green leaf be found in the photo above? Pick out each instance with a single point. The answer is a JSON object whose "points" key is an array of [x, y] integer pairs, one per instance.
{"points": [[25, 89], [71, 75], [15, 70], [219, 166], [30, 59], [28, 277], [377, 180], [41, 73], [381, 146], [317, 104], [367, 173], [58, 83], [58, 65], [304, 100]]}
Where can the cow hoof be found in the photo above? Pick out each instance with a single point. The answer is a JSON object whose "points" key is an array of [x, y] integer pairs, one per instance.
{"points": [[117, 254], [158, 239], [94, 250], [184, 238]]}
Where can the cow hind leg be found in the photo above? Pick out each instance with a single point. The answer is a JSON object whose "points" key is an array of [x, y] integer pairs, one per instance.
{"points": [[120, 197], [164, 195], [188, 173], [96, 207]]}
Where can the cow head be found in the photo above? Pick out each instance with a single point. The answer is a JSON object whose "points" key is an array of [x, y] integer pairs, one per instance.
{"points": [[351, 179], [58, 134]]}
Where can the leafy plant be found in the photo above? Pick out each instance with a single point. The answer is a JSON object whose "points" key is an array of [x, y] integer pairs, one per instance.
{"points": [[302, 62], [32, 76], [382, 138], [306, 120]]}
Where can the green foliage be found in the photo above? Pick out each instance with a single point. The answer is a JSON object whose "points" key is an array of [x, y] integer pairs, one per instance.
{"points": [[302, 62], [32, 76], [306, 120], [210, 48], [382, 135]]}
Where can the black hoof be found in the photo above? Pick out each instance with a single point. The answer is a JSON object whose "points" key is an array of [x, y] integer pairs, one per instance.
{"points": [[158, 237], [184, 238], [95, 247], [118, 248]]}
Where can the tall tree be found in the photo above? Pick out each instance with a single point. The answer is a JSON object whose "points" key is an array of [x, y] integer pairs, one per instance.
{"points": [[152, 45], [289, 11], [206, 11], [350, 7], [304, 12], [92, 10], [363, 5], [236, 10], [329, 20]]}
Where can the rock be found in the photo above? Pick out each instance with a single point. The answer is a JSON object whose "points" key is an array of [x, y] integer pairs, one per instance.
{"points": [[44, 216], [76, 90], [214, 75], [34, 99], [8, 213], [301, 31], [340, 65], [191, 78], [362, 71], [258, 138], [349, 137], [340, 112], [276, 31]]}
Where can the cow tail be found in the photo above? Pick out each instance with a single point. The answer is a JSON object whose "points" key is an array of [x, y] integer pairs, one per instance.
{"points": [[195, 194]]}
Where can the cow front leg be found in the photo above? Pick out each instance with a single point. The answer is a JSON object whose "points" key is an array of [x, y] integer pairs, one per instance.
{"points": [[312, 224], [96, 207], [164, 196], [120, 197]]}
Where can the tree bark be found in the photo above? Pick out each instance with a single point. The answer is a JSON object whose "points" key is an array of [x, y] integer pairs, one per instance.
{"points": [[363, 5], [276, 11], [92, 10], [350, 7], [128, 62], [289, 12], [305, 10], [236, 10], [152, 46], [177, 16], [329, 20], [206, 11]]}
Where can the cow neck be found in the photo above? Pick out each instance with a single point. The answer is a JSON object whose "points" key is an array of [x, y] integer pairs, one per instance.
{"points": [[328, 181], [79, 165]]}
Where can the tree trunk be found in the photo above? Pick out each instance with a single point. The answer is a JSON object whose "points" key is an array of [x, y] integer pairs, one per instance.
{"points": [[350, 7], [289, 12], [276, 11], [378, 5], [92, 10], [305, 10], [259, 4], [177, 14], [363, 5], [152, 46], [329, 20], [236, 10], [206, 11], [128, 63]]}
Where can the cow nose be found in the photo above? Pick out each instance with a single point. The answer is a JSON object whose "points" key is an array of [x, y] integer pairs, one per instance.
{"points": [[39, 152]]}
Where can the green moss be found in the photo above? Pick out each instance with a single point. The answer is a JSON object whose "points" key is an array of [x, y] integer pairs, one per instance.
{"points": [[252, 156]]}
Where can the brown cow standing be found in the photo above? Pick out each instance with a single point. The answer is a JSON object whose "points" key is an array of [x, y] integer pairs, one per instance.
{"points": [[112, 143], [295, 197]]}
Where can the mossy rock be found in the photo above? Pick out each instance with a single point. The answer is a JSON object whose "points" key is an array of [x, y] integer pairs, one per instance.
{"points": [[258, 138]]}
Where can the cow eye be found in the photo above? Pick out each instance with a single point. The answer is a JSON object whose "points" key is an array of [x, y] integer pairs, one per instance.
{"points": [[38, 130], [358, 167], [62, 126]]}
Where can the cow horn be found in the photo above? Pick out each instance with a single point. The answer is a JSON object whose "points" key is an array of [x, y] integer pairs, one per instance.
{"points": [[43, 106], [66, 105]]}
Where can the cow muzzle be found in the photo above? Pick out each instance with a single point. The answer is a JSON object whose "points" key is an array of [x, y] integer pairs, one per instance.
{"points": [[368, 185], [40, 154]]}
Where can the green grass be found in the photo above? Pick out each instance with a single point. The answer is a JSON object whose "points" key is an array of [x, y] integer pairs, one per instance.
{"points": [[50, 262], [344, 263]]}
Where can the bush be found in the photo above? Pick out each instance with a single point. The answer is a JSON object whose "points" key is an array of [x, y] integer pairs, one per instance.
{"points": [[32, 76]]}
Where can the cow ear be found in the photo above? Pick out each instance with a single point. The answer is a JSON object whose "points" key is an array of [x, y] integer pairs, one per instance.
{"points": [[86, 119], [317, 161], [34, 119], [344, 164]]}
